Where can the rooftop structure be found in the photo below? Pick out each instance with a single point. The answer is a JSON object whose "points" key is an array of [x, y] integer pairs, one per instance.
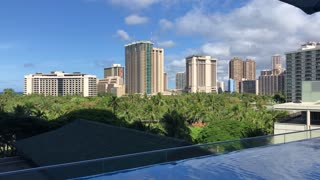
{"points": [[114, 70], [86, 140], [138, 42], [308, 108]]}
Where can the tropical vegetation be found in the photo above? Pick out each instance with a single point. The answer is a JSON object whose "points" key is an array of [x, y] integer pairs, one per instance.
{"points": [[196, 118]]}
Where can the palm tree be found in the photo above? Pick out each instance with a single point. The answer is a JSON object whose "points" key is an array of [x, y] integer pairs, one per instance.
{"points": [[127, 111], [39, 114], [114, 104], [175, 125], [20, 110]]}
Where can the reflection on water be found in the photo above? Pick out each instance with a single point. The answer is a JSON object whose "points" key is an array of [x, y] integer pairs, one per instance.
{"points": [[297, 160]]}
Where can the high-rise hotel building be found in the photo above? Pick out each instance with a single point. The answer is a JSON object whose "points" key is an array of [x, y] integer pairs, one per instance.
{"points": [[241, 70], [60, 84], [276, 61], [144, 68], [302, 65], [249, 69], [201, 74], [272, 81], [236, 72], [114, 70], [180, 80]]}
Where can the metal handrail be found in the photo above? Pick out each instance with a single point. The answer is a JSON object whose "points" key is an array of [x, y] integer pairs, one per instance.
{"points": [[144, 153]]}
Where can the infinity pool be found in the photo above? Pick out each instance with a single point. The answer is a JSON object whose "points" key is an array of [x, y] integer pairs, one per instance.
{"points": [[296, 160]]}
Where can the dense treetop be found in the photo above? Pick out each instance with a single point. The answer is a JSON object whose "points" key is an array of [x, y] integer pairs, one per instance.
{"points": [[221, 116]]}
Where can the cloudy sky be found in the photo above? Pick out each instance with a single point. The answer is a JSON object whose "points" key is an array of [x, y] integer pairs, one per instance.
{"points": [[88, 35]]}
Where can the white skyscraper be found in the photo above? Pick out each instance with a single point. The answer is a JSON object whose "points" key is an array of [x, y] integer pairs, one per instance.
{"points": [[201, 74]]}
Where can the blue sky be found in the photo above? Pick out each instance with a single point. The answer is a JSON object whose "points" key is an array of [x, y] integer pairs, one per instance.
{"points": [[88, 35]]}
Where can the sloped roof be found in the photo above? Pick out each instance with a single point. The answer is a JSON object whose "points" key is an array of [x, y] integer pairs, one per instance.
{"points": [[308, 6], [87, 140], [83, 140]]}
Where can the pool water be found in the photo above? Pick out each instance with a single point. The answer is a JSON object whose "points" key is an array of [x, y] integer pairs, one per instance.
{"points": [[296, 160]]}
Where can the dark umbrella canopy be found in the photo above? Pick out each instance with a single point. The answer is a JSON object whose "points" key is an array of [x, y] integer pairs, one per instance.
{"points": [[308, 6]]}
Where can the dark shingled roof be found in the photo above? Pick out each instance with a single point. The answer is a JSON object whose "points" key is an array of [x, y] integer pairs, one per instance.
{"points": [[84, 140]]}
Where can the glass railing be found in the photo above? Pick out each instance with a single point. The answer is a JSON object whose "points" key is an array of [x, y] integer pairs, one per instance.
{"points": [[122, 162]]}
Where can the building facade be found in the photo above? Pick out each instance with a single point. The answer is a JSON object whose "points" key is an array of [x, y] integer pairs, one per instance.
{"points": [[302, 65], [231, 86], [221, 88], [111, 84], [157, 71], [241, 70], [180, 80], [236, 72], [272, 81], [201, 74], [60, 84], [165, 81], [271, 84], [144, 68], [250, 86], [276, 61], [114, 70], [249, 69]]}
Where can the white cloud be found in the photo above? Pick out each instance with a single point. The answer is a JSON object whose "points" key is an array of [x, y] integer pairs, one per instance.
{"points": [[259, 29], [134, 4], [166, 44], [216, 49], [135, 19], [123, 35], [173, 67], [165, 24]]}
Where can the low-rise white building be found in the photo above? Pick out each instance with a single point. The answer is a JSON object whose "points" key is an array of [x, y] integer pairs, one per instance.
{"points": [[58, 83], [308, 109]]}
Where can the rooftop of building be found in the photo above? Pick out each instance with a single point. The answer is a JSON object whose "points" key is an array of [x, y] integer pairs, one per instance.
{"points": [[310, 99], [58, 74], [309, 46], [83, 140], [139, 42], [201, 56], [158, 48], [113, 66], [299, 106]]}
